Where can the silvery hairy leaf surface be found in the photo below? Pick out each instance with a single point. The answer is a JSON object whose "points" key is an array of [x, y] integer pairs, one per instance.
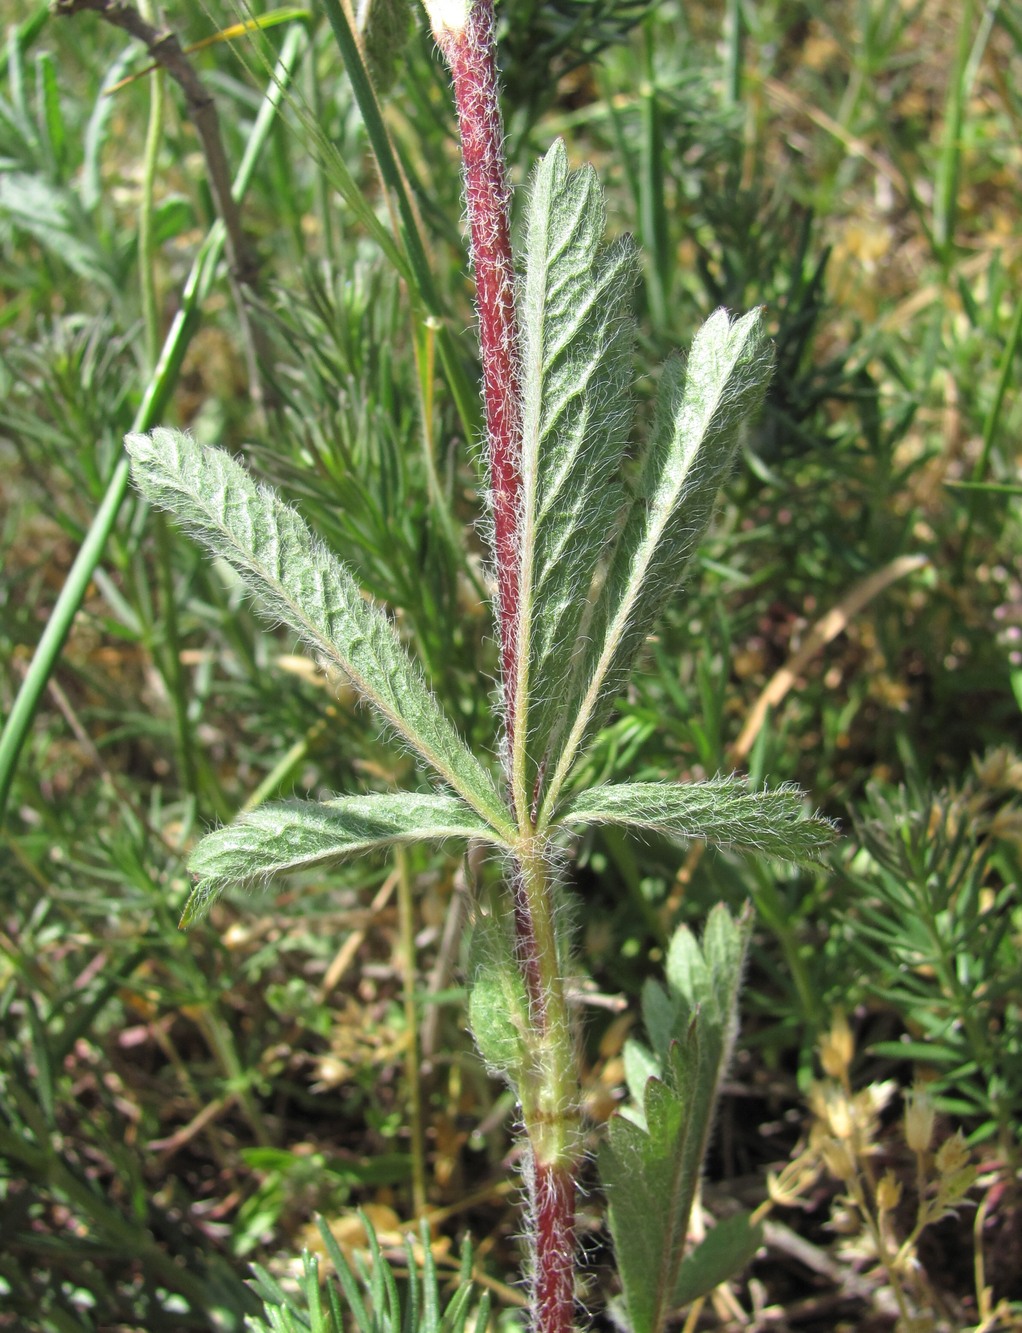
{"points": [[285, 836], [702, 406], [297, 580], [577, 337], [722, 811]]}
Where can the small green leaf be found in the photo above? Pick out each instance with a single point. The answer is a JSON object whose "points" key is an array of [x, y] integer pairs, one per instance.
{"points": [[724, 944], [300, 582], [688, 976], [650, 1173], [284, 836], [640, 1066], [703, 975], [722, 811], [385, 26], [652, 1157], [577, 335], [659, 1015], [498, 1009], [53, 217], [723, 1253]]}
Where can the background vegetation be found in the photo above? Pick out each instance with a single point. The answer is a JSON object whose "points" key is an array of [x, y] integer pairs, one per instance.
{"points": [[173, 1107]]}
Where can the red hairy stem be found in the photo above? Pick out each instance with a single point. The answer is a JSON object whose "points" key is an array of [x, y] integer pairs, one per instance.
{"points": [[464, 30], [548, 1098], [470, 52], [554, 1277]]}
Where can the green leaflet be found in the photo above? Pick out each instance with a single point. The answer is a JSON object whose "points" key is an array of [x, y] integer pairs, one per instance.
{"points": [[385, 26], [721, 811], [651, 1159], [296, 835], [298, 580], [701, 410], [577, 336], [725, 1251], [701, 979], [498, 1007]]}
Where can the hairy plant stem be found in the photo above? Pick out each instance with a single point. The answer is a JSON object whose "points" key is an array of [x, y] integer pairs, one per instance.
{"points": [[547, 1085], [470, 51], [553, 1299], [548, 1093]]}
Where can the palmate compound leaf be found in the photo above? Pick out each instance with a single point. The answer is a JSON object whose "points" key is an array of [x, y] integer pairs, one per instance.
{"points": [[651, 1159], [722, 811], [577, 336], [298, 581], [702, 408], [286, 836]]}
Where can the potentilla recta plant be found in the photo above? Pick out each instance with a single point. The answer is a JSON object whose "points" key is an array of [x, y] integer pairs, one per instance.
{"points": [[583, 565]]}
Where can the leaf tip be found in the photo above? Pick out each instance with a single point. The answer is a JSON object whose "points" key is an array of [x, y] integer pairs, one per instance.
{"points": [[200, 900], [188, 915], [138, 446]]}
